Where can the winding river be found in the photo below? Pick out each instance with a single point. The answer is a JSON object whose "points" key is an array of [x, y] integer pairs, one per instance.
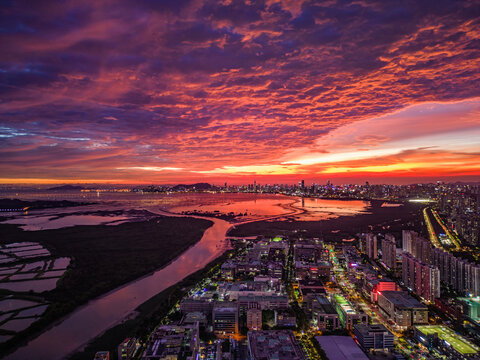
{"points": [[91, 320]]}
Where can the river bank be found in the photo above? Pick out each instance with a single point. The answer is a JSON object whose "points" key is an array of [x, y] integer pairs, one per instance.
{"points": [[115, 255], [149, 314], [393, 219], [106, 311]]}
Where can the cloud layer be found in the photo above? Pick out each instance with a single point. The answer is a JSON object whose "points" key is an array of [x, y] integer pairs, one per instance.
{"points": [[163, 91]]}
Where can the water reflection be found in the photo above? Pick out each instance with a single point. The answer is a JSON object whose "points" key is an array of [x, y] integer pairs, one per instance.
{"points": [[101, 314]]}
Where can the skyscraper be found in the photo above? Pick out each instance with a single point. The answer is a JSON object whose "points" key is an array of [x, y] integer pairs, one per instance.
{"points": [[408, 237], [460, 274], [389, 251], [372, 250], [420, 277], [408, 270]]}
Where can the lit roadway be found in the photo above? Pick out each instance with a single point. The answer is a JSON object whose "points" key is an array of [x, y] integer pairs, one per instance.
{"points": [[453, 237], [431, 231], [403, 344]]}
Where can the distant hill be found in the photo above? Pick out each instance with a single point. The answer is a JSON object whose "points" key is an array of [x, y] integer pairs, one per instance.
{"points": [[197, 186], [66, 188]]}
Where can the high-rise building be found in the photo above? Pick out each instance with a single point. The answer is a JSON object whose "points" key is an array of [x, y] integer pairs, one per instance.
{"points": [[389, 251], [420, 277], [422, 249], [427, 282], [372, 250], [408, 237], [408, 270], [462, 275]]}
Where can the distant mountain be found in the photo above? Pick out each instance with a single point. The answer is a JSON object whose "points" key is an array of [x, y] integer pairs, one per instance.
{"points": [[66, 188], [197, 186]]}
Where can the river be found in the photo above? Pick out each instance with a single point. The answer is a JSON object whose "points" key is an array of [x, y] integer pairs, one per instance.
{"points": [[102, 313], [92, 319]]}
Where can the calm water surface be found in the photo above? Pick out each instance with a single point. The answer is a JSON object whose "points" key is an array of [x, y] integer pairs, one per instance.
{"points": [[100, 314]]}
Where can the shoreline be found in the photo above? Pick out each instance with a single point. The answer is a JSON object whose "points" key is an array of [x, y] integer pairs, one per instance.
{"points": [[24, 340], [167, 213], [183, 284]]}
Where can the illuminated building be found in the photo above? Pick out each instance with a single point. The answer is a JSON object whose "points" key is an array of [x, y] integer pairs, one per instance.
{"points": [[323, 313], [372, 246], [380, 285], [254, 319], [446, 341], [225, 318], [471, 307], [349, 317], [389, 251], [402, 309]]}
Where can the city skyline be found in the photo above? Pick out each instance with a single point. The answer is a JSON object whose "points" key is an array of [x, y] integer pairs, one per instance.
{"points": [[205, 91]]}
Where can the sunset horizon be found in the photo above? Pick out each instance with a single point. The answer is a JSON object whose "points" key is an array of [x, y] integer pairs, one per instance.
{"points": [[240, 179], [207, 91]]}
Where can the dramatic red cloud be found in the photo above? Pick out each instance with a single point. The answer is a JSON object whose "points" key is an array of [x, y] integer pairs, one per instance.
{"points": [[188, 90]]}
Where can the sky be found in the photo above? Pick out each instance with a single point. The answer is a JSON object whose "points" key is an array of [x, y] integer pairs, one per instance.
{"points": [[145, 91]]}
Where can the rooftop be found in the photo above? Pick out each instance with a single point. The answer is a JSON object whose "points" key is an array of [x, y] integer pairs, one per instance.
{"points": [[402, 299], [274, 344], [344, 304], [368, 329], [459, 343], [340, 348], [325, 305]]}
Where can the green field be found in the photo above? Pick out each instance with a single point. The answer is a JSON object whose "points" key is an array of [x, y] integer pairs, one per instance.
{"points": [[460, 344]]}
